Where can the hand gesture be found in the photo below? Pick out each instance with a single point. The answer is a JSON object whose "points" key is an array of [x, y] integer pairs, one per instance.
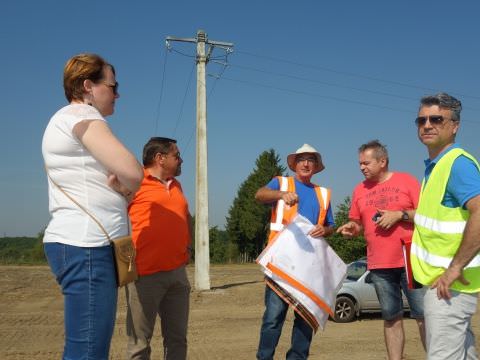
{"points": [[350, 229]]}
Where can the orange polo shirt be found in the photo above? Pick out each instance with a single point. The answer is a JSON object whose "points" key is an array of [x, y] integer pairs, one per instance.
{"points": [[160, 225]]}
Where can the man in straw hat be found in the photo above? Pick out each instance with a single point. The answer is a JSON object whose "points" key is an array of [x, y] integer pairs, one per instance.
{"points": [[289, 196]]}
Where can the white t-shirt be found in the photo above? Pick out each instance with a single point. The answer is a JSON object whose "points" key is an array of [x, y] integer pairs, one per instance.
{"points": [[74, 169]]}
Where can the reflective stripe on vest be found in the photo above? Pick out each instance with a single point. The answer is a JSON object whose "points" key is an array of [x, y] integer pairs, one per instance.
{"points": [[282, 213], [277, 225], [439, 229], [446, 227], [437, 260]]}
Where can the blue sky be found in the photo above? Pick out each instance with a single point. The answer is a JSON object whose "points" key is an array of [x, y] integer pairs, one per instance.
{"points": [[333, 74]]}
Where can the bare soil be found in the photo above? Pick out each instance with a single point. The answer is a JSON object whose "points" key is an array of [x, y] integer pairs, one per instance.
{"points": [[224, 322]]}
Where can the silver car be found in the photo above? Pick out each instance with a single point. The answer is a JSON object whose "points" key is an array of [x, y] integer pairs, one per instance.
{"points": [[357, 295]]}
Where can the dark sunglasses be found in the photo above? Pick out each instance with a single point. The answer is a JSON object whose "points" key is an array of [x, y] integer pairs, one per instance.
{"points": [[113, 87], [434, 120]]}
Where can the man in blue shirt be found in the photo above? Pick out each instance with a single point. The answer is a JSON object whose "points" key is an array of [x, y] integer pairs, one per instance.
{"points": [[446, 242], [289, 196]]}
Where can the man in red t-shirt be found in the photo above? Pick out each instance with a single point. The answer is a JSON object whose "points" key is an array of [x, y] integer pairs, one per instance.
{"points": [[162, 236], [383, 207]]}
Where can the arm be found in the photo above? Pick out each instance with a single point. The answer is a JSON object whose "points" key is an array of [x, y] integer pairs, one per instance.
{"points": [[266, 195], [469, 247], [97, 137]]}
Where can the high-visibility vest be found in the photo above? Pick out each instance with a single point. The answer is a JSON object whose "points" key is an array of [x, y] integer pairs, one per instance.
{"points": [[282, 214], [439, 229]]}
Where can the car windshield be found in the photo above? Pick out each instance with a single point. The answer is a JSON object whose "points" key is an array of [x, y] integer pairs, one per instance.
{"points": [[355, 270]]}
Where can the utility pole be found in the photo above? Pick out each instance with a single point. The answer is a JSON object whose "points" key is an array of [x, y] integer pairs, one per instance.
{"points": [[202, 243]]}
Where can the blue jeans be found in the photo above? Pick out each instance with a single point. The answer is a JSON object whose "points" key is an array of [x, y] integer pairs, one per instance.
{"points": [[88, 280], [389, 284], [272, 323]]}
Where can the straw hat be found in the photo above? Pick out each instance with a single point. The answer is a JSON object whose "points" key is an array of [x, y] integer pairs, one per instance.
{"points": [[305, 149]]}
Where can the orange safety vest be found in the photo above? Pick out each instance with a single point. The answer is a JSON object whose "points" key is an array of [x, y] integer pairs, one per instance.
{"points": [[282, 214]]}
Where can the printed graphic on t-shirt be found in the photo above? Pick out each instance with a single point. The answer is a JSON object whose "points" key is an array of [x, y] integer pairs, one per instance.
{"points": [[382, 198]]}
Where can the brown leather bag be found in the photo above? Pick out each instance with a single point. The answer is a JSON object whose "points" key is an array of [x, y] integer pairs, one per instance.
{"points": [[124, 254]]}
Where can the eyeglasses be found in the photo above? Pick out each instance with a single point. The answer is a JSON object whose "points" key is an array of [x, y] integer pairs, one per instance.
{"points": [[114, 87], [434, 120], [308, 159]]}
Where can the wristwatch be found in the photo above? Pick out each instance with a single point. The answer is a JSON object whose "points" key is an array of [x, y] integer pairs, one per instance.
{"points": [[405, 216]]}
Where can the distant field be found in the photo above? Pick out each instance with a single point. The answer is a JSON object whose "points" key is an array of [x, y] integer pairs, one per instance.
{"points": [[21, 250]]}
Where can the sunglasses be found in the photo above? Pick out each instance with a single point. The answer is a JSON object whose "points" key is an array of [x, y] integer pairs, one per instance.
{"points": [[113, 87], [434, 120]]}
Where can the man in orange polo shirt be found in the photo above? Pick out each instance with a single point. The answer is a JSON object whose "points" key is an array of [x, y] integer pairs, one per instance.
{"points": [[162, 237]]}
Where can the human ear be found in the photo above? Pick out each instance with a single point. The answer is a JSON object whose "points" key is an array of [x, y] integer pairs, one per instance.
{"points": [[87, 85]]}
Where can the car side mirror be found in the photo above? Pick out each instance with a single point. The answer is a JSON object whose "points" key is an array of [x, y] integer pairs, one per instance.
{"points": [[368, 278]]}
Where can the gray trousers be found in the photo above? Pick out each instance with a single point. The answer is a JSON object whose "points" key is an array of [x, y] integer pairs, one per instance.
{"points": [[448, 326], [167, 294]]}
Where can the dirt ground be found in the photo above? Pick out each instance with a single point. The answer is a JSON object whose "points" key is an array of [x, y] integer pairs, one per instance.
{"points": [[224, 322]]}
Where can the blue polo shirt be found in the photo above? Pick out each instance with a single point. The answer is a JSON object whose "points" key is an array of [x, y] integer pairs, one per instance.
{"points": [[463, 183], [307, 201]]}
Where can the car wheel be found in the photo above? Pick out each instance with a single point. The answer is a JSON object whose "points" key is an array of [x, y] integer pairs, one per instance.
{"points": [[344, 310]]}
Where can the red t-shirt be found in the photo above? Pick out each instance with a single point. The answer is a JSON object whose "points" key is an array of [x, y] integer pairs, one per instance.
{"points": [[400, 192], [160, 226]]}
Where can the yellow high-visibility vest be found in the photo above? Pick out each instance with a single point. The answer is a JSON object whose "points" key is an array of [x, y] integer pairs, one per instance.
{"points": [[439, 229]]}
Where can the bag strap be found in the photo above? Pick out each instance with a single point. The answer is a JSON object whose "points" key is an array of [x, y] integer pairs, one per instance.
{"points": [[81, 206]]}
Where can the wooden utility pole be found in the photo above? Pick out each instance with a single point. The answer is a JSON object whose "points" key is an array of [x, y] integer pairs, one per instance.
{"points": [[202, 244]]}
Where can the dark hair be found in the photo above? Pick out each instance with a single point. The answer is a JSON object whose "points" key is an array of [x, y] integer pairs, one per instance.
{"points": [[445, 101], [154, 146], [80, 68], [379, 150]]}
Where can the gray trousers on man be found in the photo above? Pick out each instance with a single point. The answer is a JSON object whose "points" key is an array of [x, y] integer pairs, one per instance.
{"points": [[167, 294], [448, 326]]}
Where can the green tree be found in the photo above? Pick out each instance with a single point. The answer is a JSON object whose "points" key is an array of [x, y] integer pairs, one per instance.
{"points": [[219, 245], [247, 221], [222, 250], [348, 249]]}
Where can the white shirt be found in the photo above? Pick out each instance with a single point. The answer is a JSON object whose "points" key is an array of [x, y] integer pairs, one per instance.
{"points": [[74, 169]]}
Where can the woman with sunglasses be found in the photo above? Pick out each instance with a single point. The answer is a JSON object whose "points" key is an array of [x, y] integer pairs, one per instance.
{"points": [[88, 166]]}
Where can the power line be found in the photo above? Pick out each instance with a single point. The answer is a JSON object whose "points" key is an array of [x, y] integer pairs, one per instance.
{"points": [[323, 82], [251, 83], [316, 67], [300, 92], [182, 53], [332, 84], [183, 101], [161, 91]]}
